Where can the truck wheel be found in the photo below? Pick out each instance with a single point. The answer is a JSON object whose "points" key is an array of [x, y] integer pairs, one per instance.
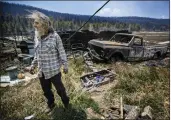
{"points": [[157, 55], [115, 59]]}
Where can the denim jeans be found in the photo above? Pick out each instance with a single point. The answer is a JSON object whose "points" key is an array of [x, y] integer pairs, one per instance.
{"points": [[46, 85]]}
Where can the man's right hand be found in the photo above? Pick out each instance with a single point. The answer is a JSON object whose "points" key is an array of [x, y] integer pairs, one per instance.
{"points": [[30, 69]]}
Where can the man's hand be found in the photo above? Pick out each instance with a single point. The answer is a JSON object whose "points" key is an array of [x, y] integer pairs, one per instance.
{"points": [[65, 70], [30, 69]]}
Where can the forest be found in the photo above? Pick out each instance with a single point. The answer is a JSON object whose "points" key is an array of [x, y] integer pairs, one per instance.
{"points": [[13, 21]]}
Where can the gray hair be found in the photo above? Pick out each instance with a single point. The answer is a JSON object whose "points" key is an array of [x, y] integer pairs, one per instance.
{"points": [[45, 20]]}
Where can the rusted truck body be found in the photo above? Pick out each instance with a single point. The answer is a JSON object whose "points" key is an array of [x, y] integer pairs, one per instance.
{"points": [[127, 47]]}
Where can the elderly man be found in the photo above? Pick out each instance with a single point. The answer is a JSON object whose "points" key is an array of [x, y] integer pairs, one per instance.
{"points": [[49, 56]]}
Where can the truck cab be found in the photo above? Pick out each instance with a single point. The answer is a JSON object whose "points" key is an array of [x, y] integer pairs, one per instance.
{"points": [[123, 46]]}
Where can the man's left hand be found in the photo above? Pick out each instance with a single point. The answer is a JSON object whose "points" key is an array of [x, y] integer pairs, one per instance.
{"points": [[65, 70]]}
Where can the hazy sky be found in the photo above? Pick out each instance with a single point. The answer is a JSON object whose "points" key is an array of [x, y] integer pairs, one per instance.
{"points": [[153, 9]]}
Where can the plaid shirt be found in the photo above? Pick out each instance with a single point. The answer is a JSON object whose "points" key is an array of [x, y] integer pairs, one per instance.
{"points": [[49, 56]]}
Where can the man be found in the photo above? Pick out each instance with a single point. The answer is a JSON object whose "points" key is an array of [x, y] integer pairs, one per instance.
{"points": [[49, 56]]}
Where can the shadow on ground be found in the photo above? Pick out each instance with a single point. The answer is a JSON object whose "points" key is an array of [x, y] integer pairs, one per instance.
{"points": [[70, 114]]}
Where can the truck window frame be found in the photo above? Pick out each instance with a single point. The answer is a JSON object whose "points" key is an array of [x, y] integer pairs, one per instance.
{"points": [[141, 41]]}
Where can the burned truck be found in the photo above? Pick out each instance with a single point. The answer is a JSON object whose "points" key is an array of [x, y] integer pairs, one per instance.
{"points": [[127, 47]]}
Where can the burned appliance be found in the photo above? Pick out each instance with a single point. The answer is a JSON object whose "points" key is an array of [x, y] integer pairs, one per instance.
{"points": [[97, 78], [12, 72], [27, 47], [25, 58]]}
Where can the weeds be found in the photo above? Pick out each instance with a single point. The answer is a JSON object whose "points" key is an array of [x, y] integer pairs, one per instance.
{"points": [[139, 85], [20, 101], [142, 86]]}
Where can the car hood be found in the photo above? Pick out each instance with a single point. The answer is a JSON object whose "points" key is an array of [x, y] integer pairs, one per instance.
{"points": [[106, 44]]}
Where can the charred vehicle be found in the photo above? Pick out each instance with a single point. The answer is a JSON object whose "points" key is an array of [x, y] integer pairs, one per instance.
{"points": [[127, 47]]}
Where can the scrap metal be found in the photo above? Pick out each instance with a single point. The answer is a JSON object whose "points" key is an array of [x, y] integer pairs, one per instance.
{"points": [[128, 47], [97, 78]]}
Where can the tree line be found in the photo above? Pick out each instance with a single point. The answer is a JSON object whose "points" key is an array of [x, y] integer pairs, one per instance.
{"points": [[13, 20], [11, 24]]}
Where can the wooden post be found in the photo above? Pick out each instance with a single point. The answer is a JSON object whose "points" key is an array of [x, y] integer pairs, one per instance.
{"points": [[121, 107], [15, 46]]}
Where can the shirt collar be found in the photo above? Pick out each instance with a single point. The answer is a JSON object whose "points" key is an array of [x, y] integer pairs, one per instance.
{"points": [[46, 36]]}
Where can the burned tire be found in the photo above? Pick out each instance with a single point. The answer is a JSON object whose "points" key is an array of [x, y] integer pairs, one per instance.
{"points": [[116, 58], [157, 55]]}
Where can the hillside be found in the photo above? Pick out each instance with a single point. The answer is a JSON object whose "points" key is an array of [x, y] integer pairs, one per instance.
{"points": [[145, 23]]}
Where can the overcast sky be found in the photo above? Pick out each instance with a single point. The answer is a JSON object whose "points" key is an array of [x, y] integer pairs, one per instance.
{"points": [[152, 9]]}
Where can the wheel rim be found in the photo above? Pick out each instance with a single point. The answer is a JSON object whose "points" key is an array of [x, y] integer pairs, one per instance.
{"points": [[115, 59], [155, 56]]}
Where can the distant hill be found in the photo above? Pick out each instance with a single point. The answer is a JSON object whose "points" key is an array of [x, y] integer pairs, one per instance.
{"points": [[146, 23]]}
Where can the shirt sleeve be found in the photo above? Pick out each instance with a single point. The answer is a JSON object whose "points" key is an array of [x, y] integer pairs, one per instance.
{"points": [[34, 62], [61, 51]]}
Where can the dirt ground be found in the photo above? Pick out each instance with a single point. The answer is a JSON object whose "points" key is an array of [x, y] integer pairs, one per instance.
{"points": [[154, 36]]}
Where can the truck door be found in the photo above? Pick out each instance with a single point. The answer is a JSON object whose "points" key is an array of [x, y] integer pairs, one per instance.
{"points": [[137, 48]]}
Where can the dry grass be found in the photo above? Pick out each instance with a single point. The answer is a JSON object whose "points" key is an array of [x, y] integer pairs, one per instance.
{"points": [[139, 85], [142, 86], [21, 101]]}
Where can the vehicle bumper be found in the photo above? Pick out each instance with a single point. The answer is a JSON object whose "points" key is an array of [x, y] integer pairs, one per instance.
{"points": [[94, 55]]}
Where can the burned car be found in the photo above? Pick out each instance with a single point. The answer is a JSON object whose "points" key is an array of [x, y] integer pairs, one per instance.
{"points": [[127, 47]]}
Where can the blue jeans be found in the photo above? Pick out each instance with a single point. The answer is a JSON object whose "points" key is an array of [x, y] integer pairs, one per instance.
{"points": [[46, 85]]}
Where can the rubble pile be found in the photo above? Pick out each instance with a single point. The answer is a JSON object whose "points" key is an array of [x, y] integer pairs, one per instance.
{"points": [[84, 36], [98, 78], [88, 62], [15, 62], [160, 63], [129, 113], [5, 80], [22, 78]]}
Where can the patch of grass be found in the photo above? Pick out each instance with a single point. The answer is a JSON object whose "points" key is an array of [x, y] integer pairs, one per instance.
{"points": [[20, 101], [139, 85], [142, 86], [84, 101]]}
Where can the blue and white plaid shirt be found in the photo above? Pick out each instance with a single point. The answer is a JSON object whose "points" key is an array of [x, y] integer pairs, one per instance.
{"points": [[49, 56]]}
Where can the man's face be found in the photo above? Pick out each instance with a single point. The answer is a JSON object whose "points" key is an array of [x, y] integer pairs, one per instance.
{"points": [[37, 25]]}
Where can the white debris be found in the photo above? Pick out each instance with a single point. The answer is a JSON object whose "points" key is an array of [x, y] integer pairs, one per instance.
{"points": [[29, 117]]}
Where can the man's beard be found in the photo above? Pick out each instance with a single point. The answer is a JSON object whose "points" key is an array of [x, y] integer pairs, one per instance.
{"points": [[40, 32]]}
